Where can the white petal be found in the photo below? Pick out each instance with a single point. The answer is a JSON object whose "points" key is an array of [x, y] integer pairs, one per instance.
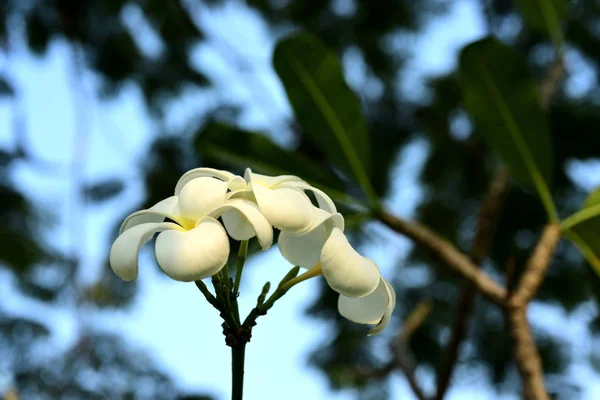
{"points": [[200, 196], [346, 271], [246, 194], [237, 183], [374, 309], [287, 209], [323, 199], [202, 172], [243, 220], [166, 208], [305, 250], [124, 251], [195, 254], [268, 181], [385, 320]]}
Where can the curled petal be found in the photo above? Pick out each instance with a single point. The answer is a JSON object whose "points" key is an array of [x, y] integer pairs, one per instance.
{"points": [[237, 183], [202, 173], [323, 199], [305, 250], [373, 309], [200, 196], [346, 271], [124, 251], [246, 194], [243, 220], [269, 181], [385, 320], [195, 254], [287, 209], [166, 208]]}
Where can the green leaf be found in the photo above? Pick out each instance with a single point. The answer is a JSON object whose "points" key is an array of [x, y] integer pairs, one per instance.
{"points": [[325, 107], [546, 16], [583, 229], [501, 96], [223, 144]]}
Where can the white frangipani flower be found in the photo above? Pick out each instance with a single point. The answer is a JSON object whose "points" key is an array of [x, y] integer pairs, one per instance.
{"points": [[195, 246]]}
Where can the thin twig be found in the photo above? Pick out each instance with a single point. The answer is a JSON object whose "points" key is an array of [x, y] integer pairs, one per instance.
{"points": [[449, 255], [488, 216]]}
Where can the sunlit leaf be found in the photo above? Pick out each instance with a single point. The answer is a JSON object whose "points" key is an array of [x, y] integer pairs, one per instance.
{"points": [[501, 96], [326, 108]]}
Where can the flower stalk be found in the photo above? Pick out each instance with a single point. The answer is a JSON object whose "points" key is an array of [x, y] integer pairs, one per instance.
{"points": [[237, 371]]}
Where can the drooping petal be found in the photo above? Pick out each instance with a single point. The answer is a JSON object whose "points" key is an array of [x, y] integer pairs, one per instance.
{"points": [[268, 181], [200, 196], [243, 220], [195, 254], [346, 271], [202, 173], [323, 199], [385, 320], [287, 209], [373, 309], [166, 208], [124, 251], [305, 250]]}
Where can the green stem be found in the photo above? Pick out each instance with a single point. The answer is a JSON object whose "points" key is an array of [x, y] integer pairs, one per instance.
{"points": [[311, 273], [242, 254], [579, 217], [237, 371]]}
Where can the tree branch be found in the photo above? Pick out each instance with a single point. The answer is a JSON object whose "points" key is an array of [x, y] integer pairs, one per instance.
{"points": [[488, 216], [449, 255], [551, 81], [536, 267], [526, 354]]}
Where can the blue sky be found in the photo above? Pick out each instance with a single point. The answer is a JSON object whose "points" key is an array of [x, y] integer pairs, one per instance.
{"points": [[171, 319]]}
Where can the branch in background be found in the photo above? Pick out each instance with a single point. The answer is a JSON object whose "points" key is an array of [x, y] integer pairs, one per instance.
{"points": [[526, 354], [551, 81], [536, 267], [528, 359], [486, 226], [11, 394], [489, 211], [401, 356], [449, 255]]}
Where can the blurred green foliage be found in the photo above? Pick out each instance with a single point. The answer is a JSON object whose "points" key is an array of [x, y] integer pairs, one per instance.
{"points": [[454, 178]]}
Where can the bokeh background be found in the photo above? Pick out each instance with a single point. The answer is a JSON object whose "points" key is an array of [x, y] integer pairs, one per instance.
{"points": [[104, 104]]}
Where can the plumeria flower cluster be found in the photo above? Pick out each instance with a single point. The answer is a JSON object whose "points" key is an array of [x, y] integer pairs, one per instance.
{"points": [[194, 245]]}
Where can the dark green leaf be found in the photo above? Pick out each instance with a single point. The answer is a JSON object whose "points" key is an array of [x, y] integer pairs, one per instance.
{"points": [[326, 108], [545, 16], [221, 143], [104, 190], [501, 96]]}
